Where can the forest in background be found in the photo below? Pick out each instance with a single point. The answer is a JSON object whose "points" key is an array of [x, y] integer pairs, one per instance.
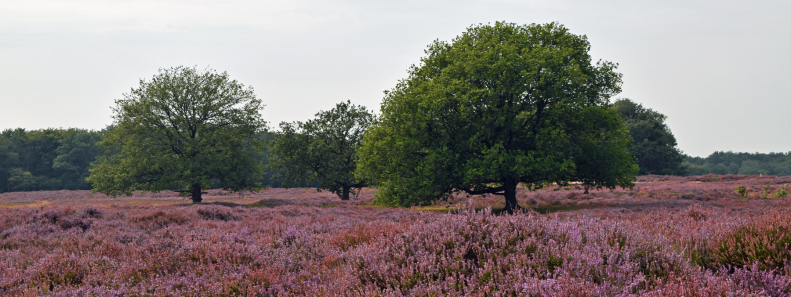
{"points": [[739, 163], [59, 159]]}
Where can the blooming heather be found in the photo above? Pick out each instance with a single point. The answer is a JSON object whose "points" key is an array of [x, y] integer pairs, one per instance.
{"points": [[348, 249]]}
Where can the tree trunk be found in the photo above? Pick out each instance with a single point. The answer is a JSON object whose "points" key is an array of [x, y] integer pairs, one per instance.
{"points": [[196, 193], [510, 198], [345, 193]]}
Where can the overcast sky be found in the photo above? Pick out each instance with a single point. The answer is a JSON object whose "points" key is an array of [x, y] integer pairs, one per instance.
{"points": [[718, 69]]}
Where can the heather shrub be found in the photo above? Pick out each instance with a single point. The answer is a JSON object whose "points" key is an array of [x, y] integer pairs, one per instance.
{"points": [[697, 284], [75, 222], [578, 196], [765, 242], [160, 218], [362, 234], [220, 213], [58, 269], [693, 231], [52, 216], [89, 212], [657, 247], [767, 283], [66, 218], [476, 253]]}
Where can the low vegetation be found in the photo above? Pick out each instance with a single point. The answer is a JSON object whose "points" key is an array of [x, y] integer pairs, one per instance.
{"points": [[666, 237]]}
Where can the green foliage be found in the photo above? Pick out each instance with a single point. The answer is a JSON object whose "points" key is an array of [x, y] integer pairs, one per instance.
{"points": [[655, 147], [741, 191], [765, 193], [20, 180], [183, 130], [500, 105], [740, 163], [71, 158], [766, 243], [76, 151], [48, 159], [8, 158], [272, 177], [323, 149], [781, 193]]}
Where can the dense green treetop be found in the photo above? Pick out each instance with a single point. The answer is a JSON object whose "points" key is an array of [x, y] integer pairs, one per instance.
{"points": [[8, 158], [77, 150], [500, 105], [46, 159], [182, 130], [655, 147], [323, 149]]}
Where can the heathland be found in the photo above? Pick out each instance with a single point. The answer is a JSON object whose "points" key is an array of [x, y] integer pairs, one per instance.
{"points": [[668, 236], [499, 166]]}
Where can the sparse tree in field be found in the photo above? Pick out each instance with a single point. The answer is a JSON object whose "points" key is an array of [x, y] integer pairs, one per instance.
{"points": [[655, 147], [183, 130], [500, 105], [323, 149]]}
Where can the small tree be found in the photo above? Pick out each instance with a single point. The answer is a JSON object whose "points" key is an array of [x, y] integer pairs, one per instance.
{"points": [[499, 106], [183, 130], [323, 149]]}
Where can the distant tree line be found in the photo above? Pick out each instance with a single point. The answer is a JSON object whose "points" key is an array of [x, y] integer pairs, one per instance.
{"points": [[655, 149], [58, 159], [739, 163], [47, 159]]}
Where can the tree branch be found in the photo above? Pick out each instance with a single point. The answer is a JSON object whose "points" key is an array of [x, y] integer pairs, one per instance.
{"points": [[486, 191]]}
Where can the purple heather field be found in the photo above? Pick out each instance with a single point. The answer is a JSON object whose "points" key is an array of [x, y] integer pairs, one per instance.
{"points": [[667, 236]]}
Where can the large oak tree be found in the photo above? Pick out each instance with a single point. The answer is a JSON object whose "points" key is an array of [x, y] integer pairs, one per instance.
{"points": [[500, 105], [183, 130]]}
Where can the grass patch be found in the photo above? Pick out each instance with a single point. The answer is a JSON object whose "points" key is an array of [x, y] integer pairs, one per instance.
{"points": [[29, 204]]}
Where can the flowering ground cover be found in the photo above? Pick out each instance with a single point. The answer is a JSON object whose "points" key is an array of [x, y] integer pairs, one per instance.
{"points": [[668, 236]]}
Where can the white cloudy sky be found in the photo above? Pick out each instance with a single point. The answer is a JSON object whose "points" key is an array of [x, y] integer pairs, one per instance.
{"points": [[718, 69]]}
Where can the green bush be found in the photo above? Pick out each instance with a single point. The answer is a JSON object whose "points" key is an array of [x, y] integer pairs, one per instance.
{"points": [[765, 194], [781, 193], [742, 191], [766, 241]]}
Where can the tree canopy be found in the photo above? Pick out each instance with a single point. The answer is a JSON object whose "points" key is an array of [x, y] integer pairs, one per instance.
{"points": [[655, 147], [46, 159], [183, 130], [500, 105], [323, 149]]}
